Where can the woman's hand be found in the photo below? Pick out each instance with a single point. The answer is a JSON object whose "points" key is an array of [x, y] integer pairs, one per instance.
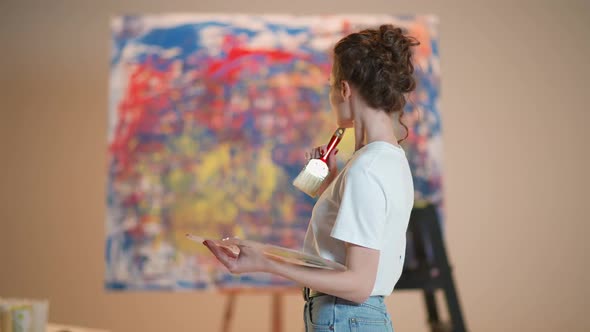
{"points": [[249, 259], [318, 152]]}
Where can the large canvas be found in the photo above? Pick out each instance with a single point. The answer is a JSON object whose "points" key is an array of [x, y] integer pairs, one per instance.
{"points": [[210, 117]]}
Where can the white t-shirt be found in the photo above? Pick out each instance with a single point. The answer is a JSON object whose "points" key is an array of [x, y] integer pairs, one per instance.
{"points": [[368, 204]]}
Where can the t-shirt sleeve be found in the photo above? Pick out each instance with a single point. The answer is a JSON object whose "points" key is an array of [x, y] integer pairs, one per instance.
{"points": [[362, 214]]}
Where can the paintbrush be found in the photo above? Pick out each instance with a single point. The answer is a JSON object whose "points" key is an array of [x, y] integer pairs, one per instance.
{"points": [[316, 170]]}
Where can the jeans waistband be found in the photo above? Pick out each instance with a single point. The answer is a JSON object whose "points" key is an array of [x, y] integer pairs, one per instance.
{"points": [[309, 293]]}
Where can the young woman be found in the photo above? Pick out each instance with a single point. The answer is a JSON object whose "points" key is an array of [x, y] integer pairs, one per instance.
{"points": [[361, 217]]}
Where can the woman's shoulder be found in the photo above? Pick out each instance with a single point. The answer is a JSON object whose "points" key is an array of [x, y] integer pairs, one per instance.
{"points": [[376, 158]]}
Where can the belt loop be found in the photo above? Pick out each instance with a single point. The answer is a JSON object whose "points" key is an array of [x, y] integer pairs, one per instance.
{"points": [[306, 294]]}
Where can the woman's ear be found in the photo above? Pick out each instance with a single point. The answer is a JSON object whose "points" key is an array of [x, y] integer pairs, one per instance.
{"points": [[345, 91]]}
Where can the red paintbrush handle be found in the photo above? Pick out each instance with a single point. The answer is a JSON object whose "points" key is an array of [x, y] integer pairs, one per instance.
{"points": [[336, 138]]}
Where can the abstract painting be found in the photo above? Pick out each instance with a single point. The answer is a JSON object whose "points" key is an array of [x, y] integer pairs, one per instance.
{"points": [[210, 117]]}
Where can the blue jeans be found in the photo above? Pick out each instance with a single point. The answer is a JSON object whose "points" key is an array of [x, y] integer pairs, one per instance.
{"points": [[329, 313]]}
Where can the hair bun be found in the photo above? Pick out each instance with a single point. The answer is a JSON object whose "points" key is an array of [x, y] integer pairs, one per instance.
{"points": [[399, 45], [390, 34]]}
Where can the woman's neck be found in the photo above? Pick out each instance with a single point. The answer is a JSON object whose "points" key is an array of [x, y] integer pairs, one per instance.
{"points": [[372, 125]]}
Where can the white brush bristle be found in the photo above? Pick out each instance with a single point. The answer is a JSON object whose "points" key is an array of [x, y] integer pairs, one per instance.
{"points": [[311, 177]]}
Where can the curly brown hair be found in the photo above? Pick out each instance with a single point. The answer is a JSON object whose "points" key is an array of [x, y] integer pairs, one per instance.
{"points": [[378, 62]]}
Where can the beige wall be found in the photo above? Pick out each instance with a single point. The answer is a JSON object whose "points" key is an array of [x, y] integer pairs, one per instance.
{"points": [[515, 121]]}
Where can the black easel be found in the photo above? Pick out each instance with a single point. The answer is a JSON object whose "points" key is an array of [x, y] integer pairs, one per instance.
{"points": [[427, 268]]}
